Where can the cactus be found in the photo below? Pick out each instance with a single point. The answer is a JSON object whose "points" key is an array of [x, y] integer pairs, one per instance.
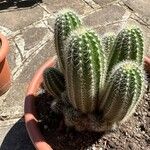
{"points": [[54, 82], [123, 91], [66, 22], [103, 83], [128, 46], [85, 68], [108, 42]]}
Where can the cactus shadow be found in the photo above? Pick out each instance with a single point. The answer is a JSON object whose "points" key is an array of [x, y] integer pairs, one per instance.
{"points": [[17, 137]]}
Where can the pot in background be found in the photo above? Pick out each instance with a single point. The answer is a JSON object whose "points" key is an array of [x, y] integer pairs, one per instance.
{"points": [[5, 74]]}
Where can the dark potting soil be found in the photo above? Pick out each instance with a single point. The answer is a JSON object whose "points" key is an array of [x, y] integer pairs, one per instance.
{"points": [[132, 135]]}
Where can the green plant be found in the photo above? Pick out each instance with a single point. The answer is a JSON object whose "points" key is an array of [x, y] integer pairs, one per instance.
{"points": [[128, 46], [104, 81], [54, 82], [108, 42], [85, 68], [124, 89], [66, 22]]}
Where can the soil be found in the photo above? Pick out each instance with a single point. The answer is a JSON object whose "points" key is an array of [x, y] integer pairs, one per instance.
{"points": [[132, 135]]}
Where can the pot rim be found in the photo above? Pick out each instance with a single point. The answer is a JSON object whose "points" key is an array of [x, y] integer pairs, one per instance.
{"points": [[4, 49], [147, 59], [29, 107]]}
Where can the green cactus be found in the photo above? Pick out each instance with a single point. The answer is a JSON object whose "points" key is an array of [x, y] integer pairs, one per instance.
{"points": [[108, 42], [54, 82], [128, 46], [124, 89], [66, 22], [102, 84], [85, 69]]}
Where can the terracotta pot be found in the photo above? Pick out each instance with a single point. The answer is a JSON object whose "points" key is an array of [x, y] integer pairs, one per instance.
{"points": [[147, 64], [29, 109], [5, 75]]}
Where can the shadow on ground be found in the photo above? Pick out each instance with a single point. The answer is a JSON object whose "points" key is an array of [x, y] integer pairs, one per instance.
{"points": [[16, 4], [17, 138]]}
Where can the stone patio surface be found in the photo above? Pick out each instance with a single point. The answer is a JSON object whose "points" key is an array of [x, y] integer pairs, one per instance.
{"points": [[30, 34]]}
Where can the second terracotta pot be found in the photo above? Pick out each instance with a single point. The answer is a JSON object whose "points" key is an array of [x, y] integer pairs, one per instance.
{"points": [[5, 74]]}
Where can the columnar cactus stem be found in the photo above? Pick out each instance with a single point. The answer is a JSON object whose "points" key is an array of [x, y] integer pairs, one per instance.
{"points": [[54, 81], [108, 42], [128, 46], [124, 89], [85, 68], [66, 22]]}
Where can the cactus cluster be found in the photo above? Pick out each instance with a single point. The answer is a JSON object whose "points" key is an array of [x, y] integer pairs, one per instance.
{"points": [[102, 82]]}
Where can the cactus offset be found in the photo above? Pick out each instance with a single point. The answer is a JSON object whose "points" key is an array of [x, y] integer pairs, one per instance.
{"points": [[124, 90], [128, 46], [85, 68], [66, 22], [54, 81]]}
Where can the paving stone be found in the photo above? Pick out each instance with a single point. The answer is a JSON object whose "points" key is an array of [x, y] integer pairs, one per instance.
{"points": [[15, 137], [12, 106], [15, 20], [28, 71], [13, 102], [29, 43], [50, 22], [104, 16], [12, 54], [104, 2], [57, 5], [92, 4], [34, 36], [110, 29], [141, 7]]}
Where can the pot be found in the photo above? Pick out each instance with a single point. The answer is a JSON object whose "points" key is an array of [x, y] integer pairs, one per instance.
{"points": [[5, 75], [147, 64], [29, 109]]}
